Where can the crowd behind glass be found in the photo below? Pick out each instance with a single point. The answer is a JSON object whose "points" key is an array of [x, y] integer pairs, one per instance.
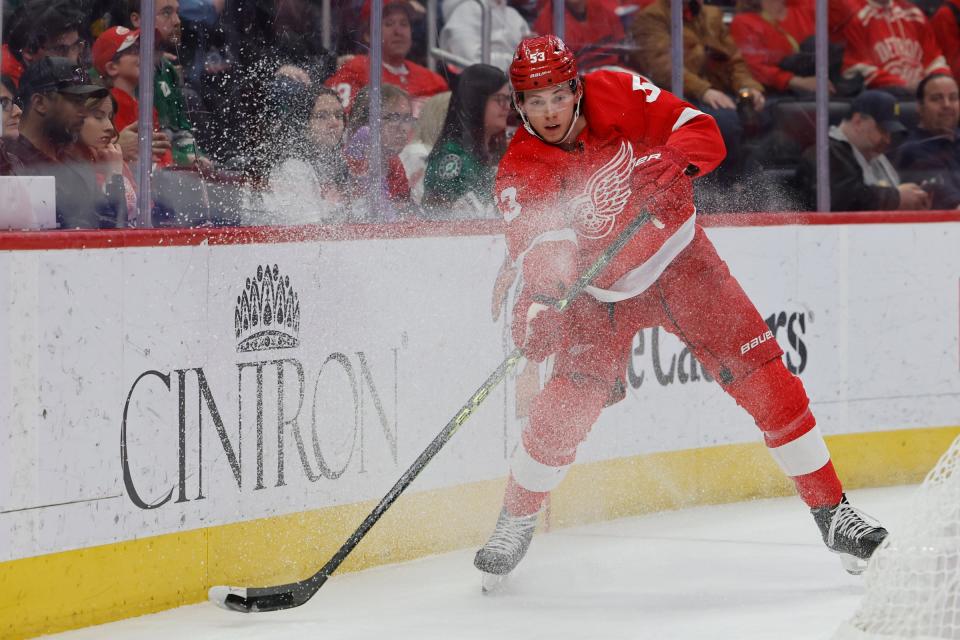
{"points": [[256, 122]]}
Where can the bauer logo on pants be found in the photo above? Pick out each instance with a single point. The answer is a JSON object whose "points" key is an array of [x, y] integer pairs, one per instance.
{"points": [[746, 346]]}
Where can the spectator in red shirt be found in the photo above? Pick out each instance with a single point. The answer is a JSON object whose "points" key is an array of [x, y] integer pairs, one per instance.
{"points": [[946, 27], [116, 57], [40, 29], [768, 31], [892, 45], [417, 81], [397, 123], [97, 143], [591, 25]]}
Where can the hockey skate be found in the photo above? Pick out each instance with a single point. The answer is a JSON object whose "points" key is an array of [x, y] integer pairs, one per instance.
{"points": [[505, 548], [851, 534]]}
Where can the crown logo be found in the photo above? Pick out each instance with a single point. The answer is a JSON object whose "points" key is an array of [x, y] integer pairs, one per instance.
{"points": [[267, 315]]}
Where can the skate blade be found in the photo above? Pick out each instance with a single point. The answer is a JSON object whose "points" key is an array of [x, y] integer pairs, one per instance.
{"points": [[492, 583], [853, 565]]}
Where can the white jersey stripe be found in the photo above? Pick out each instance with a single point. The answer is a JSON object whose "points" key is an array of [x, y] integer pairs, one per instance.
{"points": [[635, 282], [686, 116]]}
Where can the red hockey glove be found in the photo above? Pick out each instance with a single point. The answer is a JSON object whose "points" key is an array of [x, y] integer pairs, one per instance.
{"points": [[543, 326], [664, 180], [549, 268]]}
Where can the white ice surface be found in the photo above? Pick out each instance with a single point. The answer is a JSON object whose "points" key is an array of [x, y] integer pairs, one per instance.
{"points": [[747, 571]]}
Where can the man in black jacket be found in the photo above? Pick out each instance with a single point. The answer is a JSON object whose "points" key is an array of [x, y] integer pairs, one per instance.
{"points": [[54, 92], [861, 177], [931, 153]]}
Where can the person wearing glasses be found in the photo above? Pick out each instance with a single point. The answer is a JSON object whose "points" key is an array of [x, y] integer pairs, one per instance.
{"points": [[307, 179], [55, 93], [396, 126], [463, 163], [9, 165], [11, 110], [43, 28]]}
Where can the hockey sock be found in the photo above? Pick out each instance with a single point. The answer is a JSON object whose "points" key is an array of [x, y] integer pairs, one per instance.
{"points": [[522, 502], [821, 488], [777, 401]]}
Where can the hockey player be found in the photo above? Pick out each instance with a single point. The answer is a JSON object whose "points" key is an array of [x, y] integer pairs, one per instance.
{"points": [[594, 152]]}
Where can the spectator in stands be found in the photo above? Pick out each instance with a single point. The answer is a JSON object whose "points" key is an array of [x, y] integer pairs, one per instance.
{"points": [[417, 81], [414, 155], [97, 143], [714, 70], [931, 153], [861, 177], [770, 32], [461, 32], [891, 44], [9, 165], [42, 28], [397, 123], [946, 27], [116, 57], [307, 182], [463, 164], [11, 109], [168, 97], [591, 29], [54, 92]]}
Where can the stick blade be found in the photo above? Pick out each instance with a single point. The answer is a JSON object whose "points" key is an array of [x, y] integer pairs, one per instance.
{"points": [[258, 600]]}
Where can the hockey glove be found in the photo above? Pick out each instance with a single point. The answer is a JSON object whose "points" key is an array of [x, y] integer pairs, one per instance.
{"points": [[549, 268], [664, 180], [544, 331]]}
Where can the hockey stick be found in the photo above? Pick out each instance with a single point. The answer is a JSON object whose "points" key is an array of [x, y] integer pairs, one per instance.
{"points": [[294, 594]]}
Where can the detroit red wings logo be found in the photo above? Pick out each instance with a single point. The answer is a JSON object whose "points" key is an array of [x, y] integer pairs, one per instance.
{"points": [[595, 210]]}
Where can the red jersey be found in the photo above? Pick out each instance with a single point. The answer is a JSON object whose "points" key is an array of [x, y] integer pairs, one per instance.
{"points": [[891, 45], [11, 66], [946, 28], [128, 112], [764, 42], [587, 38], [586, 195], [416, 80]]}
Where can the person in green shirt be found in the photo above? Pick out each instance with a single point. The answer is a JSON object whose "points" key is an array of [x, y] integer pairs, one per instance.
{"points": [[168, 96], [463, 164]]}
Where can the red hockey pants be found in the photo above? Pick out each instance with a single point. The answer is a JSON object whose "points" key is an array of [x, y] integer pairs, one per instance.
{"points": [[699, 301]]}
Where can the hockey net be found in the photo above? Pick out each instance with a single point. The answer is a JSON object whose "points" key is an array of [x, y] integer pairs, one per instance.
{"points": [[913, 579]]}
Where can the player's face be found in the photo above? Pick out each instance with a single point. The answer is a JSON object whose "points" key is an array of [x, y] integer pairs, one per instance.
{"points": [[940, 106], [550, 111]]}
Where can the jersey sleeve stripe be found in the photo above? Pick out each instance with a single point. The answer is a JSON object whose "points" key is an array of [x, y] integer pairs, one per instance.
{"points": [[635, 282], [686, 116], [549, 236]]}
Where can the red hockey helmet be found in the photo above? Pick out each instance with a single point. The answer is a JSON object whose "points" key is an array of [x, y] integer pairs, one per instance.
{"points": [[542, 62]]}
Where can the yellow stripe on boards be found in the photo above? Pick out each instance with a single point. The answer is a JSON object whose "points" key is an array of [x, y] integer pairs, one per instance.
{"points": [[61, 591]]}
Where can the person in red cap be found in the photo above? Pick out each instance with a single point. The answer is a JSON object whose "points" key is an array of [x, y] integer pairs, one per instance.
{"points": [[593, 153], [116, 57], [416, 80]]}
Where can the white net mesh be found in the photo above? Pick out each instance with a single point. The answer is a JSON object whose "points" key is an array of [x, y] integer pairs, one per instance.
{"points": [[913, 580]]}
